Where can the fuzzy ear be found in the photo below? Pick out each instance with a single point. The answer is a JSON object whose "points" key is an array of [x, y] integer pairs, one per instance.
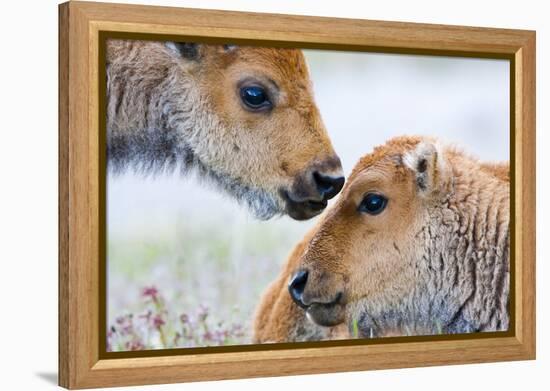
{"points": [[187, 50], [230, 48], [430, 168]]}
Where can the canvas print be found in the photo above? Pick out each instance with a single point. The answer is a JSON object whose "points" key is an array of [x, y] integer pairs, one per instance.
{"points": [[259, 195]]}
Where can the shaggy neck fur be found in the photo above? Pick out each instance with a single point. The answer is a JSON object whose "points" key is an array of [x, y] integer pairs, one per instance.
{"points": [[463, 278], [156, 117], [149, 116]]}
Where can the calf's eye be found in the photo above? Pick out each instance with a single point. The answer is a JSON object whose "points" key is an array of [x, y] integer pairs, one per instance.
{"points": [[255, 98], [373, 204]]}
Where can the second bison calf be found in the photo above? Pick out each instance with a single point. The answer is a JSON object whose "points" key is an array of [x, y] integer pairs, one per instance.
{"points": [[418, 243]]}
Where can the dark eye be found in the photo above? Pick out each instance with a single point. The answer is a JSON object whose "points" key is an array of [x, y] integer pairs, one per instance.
{"points": [[255, 97], [373, 204]]}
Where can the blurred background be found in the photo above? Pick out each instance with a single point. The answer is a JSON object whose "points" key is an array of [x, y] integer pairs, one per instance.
{"points": [[186, 266]]}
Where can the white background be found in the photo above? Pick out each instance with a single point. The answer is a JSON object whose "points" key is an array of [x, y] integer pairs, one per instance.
{"points": [[28, 197]]}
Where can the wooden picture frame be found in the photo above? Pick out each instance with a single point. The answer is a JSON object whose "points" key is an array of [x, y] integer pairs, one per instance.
{"points": [[83, 27]]}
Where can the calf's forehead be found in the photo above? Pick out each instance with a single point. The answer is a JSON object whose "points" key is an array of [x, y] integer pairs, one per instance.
{"points": [[281, 63], [387, 156], [379, 174]]}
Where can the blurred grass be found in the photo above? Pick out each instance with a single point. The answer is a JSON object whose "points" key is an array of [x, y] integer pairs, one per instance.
{"points": [[198, 263]]}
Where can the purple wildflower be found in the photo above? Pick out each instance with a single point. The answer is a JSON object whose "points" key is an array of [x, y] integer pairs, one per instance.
{"points": [[150, 292], [158, 321]]}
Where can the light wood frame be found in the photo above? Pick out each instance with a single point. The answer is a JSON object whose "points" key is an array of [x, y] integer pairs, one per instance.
{"points": [[80, 26]]}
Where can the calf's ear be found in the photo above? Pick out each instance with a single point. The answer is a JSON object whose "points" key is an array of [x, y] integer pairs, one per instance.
{"points": [[194, 52], [230, 48], [186, 50], [430, 168]]}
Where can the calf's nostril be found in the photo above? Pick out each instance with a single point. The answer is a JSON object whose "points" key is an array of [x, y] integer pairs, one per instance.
{"points": [[328, 186], [297, 286]]}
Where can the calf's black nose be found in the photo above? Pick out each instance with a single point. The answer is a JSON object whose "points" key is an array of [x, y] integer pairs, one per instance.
{"points": [[296, 287], [328, 186]]}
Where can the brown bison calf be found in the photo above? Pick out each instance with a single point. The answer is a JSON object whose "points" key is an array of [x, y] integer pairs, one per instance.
{"points": [[417, 243], [243, 117]]}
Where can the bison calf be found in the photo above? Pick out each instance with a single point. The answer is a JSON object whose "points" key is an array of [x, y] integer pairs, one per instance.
{"points": [[242, 117], [417, 243]]}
